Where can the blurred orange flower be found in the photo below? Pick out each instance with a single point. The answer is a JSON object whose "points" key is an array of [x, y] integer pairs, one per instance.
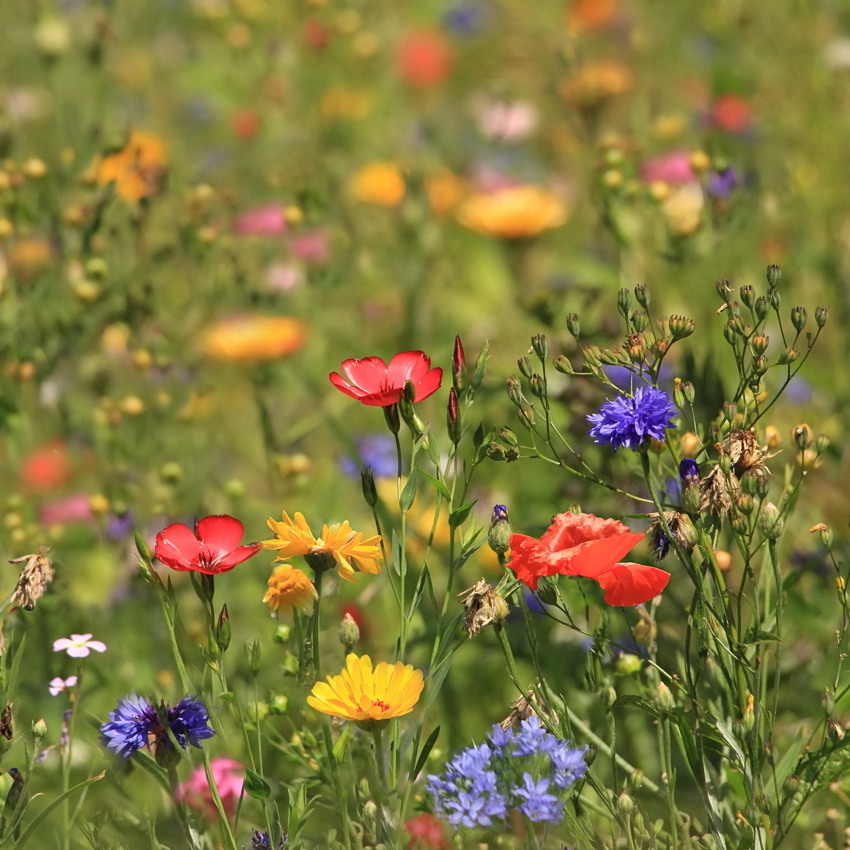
{"points": [[47, 467], [247, 338], [137, 170], [378, 183], [589, 15], [515, 212], [597, 82], [445, 191], [423, 58]]}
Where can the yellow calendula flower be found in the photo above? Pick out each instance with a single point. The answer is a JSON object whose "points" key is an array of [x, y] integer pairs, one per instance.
{"points": [[517, 212], [290, 588], [379, 183], [366, 695], [253, 338], [338, 544]]}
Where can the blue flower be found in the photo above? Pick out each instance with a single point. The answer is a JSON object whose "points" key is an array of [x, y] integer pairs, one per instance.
{"points": [[629, 420], [377, 451], [137, 723], [538, 804], [261, 841]]}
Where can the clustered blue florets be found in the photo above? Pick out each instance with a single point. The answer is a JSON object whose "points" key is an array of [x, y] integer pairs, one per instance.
{"points": [[629, 420], [526, 769], [138, 723]]}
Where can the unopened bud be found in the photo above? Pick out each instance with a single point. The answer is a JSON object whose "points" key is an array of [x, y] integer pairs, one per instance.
{"points": [[525, 367], [744, 503], [563, 365], [39, 728], [349, 633], [540, 346], [747, 295], [773, 298], [663, 698], [640, 321], [508, 437], [724, 290], [799, 316], [625, 805], [825, 533], [749, 718], [774, 273], [252, 656], [759, 344], [514, 392], [681, 326], [495, 452], [624, 303], [642, 295], [367, 484], [821, 316], [761, 307], [222, 635], [527, 417], [480, 367], [788, 356], [499, 534], [821, 443], [458, 366], [574, 324], [453, 424], [537, 386], [770, 521], [803, 436]]}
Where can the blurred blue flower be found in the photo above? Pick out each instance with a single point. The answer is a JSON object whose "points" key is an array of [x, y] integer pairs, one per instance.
{"points": [[629, 420], [137, 723], [261, 841], [722, 183], [518, 769], [377, 451], [465, 19]]}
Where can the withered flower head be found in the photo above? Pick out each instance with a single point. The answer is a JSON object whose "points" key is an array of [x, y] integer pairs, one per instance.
{"points": [[717, 489], [483, 606], [521, 709], [681, 529], [35, 576], [742, 448]]}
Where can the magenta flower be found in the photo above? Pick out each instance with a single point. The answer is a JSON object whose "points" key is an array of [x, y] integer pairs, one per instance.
{"points": [[78, 646], [269, 220]]}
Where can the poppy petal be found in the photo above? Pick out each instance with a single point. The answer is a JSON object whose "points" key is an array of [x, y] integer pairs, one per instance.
{"points": [[407, 366], [177, 547], [368, 373], [341, 384], [219, 534], [632, 584]]}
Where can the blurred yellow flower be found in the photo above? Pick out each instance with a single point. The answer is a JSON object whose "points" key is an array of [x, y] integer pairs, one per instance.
{"points": [[596, 82], [137, 169], [346, 103], [683, 208], [290, 588], [366, 695], [445, 191], [337, 544], [517, 212], [254, 338], [378, 183]]}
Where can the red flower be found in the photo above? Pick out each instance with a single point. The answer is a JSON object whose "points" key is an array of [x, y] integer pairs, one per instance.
{"points": [[587, 546], [423, 58], [212, 548], [730, 112], [425, 832], [372, 382]]}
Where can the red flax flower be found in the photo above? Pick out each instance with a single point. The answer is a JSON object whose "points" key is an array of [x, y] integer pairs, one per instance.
{"points": [[213, 547], [587, 546], [373, 382]]}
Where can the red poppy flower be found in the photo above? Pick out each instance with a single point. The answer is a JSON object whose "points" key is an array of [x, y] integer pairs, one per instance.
{"points": [[426, 832], [372, 382], [423, 58], [212, 548], [587, 546], [730, 112]]}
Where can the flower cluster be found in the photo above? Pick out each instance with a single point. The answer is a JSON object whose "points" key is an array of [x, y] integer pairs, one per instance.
{"points": [[526, 769], [629, 420], [138, 723]]}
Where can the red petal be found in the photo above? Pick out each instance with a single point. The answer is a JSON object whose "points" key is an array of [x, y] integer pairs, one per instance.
{"points": [[584, 544], [529, 560], [632, 584], [219, 534], [177, 547], [407, 366], [370, 373], [341, 384], [429, 384], [237, 556]]}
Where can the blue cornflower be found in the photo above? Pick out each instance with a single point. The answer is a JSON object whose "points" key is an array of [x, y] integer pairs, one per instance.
{"points": [[538, 804], [261, 841], [688, 471], [137, 723], [629, 420], [377, 451]]}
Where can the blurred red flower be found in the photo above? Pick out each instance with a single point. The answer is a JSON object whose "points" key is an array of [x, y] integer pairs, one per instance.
{"points": [[371, 381], [587, 546], [423, 58], [213, 547], [47, 467], [730, 112], [245, 123], [426, 832]]}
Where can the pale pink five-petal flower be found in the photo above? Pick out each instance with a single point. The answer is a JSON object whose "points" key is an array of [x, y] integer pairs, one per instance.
{"points": [[78, 646]]}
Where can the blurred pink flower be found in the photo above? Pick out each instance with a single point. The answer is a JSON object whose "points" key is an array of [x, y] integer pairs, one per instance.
{"points": [[268, 220], [310, 246], [506, 121], [78, 646], [228, 777], [58, 685], [673, 168], [73, 508]]}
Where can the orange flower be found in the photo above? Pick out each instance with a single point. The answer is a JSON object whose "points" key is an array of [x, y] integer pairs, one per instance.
{"points": [[445, 191], [423, 58], [517, 212], [254, 338], [367, 695], [378, 183], [136, 170], [290, 588], [597, 82]]}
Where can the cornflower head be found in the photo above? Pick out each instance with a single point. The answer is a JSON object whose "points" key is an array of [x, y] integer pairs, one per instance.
{"points": [[527, 769], [338, 544], [630, 420], [137, 723]]}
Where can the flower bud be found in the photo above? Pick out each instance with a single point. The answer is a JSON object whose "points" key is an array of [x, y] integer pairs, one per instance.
{"points": [[681, 327], [540, 346], [803, 436], [624, 303], [773, 299], [788, 356], [480, 367], [761, 307], [640, 321], [367, 484], [724, 290], [392, 418], [749, 718], [39, 728], [799, 317], [495, 452], [574, 324], [349, 633], [458, 366], [253, 656], [822, 443], [222, 634], [821, 316], [770, 521], [525, 367], [642, 295], [744, 503], [625, 805], [774, 272], [514, 392], [537, 386], [825, 533], [663, 699], [759, 344], [508, 437], [527, 417], [453, 424], [562, 364], [747, 295], [499, 534]]}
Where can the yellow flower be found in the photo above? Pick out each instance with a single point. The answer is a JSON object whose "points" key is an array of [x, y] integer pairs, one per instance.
{"points": [[254, 338], [362, 694], [290, 588], [136, 170], [596, 83], [517, 212], [379, 183], [337, 543]]}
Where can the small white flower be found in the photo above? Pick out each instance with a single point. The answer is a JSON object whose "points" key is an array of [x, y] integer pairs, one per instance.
{"points": [[58, 684], [78, 646]]}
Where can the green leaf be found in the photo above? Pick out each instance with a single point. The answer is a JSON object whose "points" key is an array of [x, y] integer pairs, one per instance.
{"points": [[458, 516], [439, 486], [408, 494], [423, 754], [256, 786]]}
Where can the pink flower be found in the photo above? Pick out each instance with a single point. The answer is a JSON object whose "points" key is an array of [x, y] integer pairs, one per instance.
{"points": [[58, 685], [212, 548], [78, 646], [74, 508], [310, 246], [506, 121], [371, 381], [228, 778], [269, 220], [674, 168]]}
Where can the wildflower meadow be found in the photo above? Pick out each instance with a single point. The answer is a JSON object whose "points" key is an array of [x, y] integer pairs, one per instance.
{"points": [[422, 425]]}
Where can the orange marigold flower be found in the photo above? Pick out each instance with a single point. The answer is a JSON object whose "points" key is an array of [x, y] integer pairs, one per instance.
{"points": [[137, 169], [516, 212], [366, 695], [338, 544], [290, 588], [254, 338], [378, 183]]}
